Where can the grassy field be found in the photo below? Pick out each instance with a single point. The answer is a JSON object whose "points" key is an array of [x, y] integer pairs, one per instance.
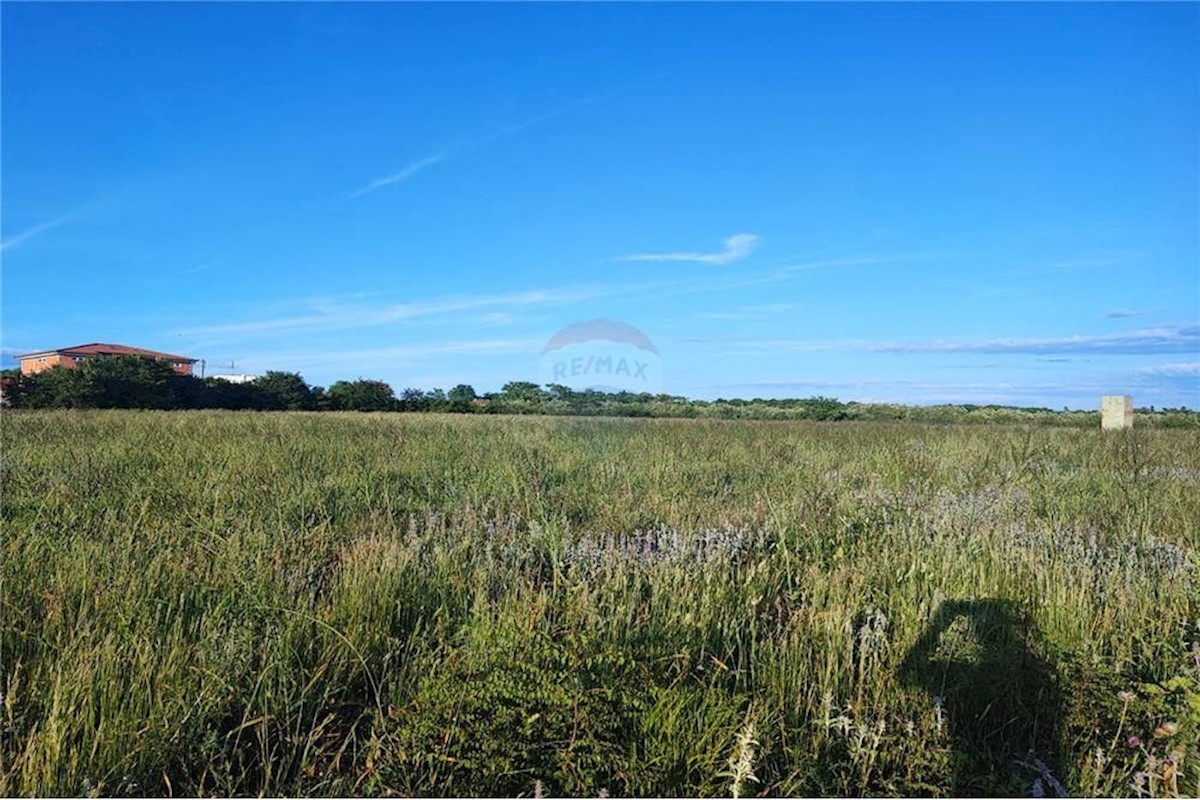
{"points": [[214, 602]]}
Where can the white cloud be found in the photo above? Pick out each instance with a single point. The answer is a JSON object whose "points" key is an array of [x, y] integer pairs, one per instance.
{"points": [[387, 357], [789, 271], [916, 384], [207, 265], [737, 247], [749, 312], [498, 318], [1184, 369], [459, 147], [401, 176], [1107, 260], [1162, 339], [1077, 394], [538, 119], [36, 230], [326, 315]]}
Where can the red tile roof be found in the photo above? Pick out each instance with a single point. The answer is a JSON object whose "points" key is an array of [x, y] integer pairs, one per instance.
{"points": [[102, 349]]}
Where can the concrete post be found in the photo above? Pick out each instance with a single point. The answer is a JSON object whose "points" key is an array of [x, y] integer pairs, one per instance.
{"points": [[1116, 412]]}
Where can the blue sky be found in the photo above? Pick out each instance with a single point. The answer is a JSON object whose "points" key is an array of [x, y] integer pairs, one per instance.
{"points": [[914, 203]]}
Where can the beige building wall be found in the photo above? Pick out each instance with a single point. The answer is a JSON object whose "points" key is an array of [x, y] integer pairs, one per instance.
{"points": [[35, 364], [32, 366], [1116, 411]]}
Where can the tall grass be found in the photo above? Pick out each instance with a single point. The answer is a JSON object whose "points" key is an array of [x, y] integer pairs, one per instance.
{"points": [[209, 602]]}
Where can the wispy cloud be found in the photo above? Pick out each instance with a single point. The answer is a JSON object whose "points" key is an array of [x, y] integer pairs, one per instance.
{"points": [[741, 345], [545, 116], [1040, 266], [1075, 393], [1181, 370], [1181, 381], [1121, 313], [334, 315], [377, 357], [867, 383], [358, 311], [460, 148], [789, 271], [498, 318], [1096, 263], [1162, 339], [207, 265], [37, 230], [737, 247], [401, 176], [750, 312]]}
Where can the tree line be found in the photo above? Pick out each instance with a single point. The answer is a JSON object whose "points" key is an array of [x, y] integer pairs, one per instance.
{"points": [[134, 382]]}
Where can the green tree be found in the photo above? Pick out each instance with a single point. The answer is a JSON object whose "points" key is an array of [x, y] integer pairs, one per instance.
{"points": [[362, 395], [285, 391], [127, 382], [522, 391], [321, 399], [234, 396], [188, 391], [108, 382], [462, 398], [412, 400], [436, 400], [558, 391], [826, 408]]}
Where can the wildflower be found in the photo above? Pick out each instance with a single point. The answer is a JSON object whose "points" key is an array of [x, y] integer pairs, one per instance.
{"points": [[1126, 697], [841, 722], [1166, 730], [1133, 741], [741, 761]]}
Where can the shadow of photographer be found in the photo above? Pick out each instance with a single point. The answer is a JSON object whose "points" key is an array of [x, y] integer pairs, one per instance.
{"points": [[997, 698]]}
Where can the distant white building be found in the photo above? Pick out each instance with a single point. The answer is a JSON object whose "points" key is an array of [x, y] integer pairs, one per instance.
{"points": [[237, 378]]}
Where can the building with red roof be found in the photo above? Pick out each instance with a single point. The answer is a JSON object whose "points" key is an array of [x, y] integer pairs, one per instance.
{"points": [[33, 363]]}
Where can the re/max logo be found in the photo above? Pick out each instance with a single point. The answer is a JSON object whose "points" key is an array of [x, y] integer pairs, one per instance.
{"points": [[600, 365]]}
